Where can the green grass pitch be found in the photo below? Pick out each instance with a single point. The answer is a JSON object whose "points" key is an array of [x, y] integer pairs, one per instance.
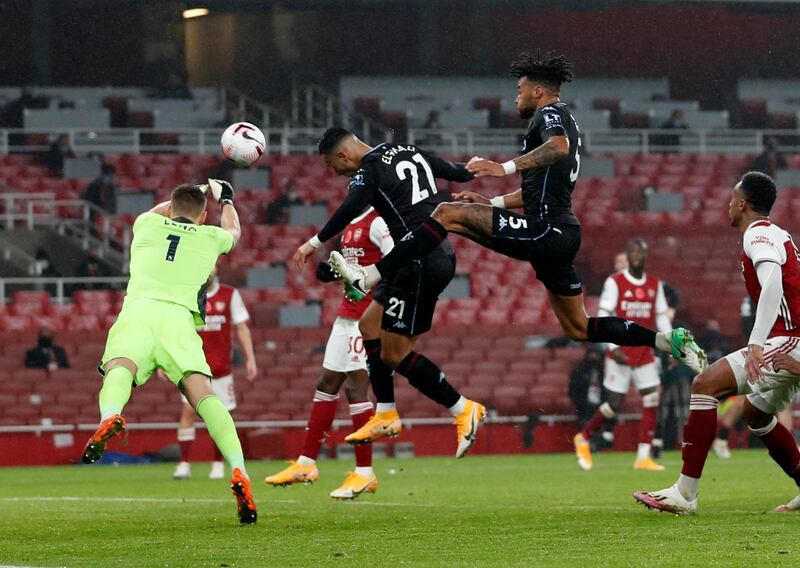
{"points": [[481, 511]]}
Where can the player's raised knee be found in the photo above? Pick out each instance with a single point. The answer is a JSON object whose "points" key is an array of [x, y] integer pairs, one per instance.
{"points": [[448, 214]]}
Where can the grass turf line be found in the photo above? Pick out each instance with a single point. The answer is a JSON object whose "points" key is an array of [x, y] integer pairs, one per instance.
{"points": [[482, 511]]}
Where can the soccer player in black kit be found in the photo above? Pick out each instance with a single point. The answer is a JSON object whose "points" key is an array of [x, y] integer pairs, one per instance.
{"points": [[547, 234], [399, 181]]}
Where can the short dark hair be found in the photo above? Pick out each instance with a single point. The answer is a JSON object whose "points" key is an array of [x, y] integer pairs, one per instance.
{"points": [[331, 139], [637, 241], [188, 200], [759, 191], [549, 68]]}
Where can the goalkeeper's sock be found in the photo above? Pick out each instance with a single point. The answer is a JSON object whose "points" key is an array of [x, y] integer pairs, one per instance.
{"points": [[116, 391], [222, 429]]}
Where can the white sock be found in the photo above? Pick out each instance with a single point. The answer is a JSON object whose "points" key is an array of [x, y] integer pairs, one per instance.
{"points": [[384, 407], [663, 343], [643, 451], [458, 407], [364, 471], [372, 276], [688, 486], [303, 460]]}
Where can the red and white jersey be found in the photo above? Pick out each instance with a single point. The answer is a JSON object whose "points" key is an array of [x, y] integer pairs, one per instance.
{"points": [[640, 300], [766, 242], [224, 309], [365, 241]]}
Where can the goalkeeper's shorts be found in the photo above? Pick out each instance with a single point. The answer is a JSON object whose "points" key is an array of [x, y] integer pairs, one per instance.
{"points": [[156, 334]]}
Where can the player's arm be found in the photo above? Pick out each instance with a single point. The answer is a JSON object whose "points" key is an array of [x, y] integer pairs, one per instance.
{"points": [[609, 298], [246, 341], [662, 311], [229, 221], [767, 258], [451, 171], [360, 194], [164, 209], [380, 236], [239, 318], [511, 200], [769, 303]]}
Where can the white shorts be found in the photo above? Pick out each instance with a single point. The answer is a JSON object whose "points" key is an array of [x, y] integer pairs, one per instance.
{"points": [[223, 388], [776, 390], [617, 377], [345, 351]]}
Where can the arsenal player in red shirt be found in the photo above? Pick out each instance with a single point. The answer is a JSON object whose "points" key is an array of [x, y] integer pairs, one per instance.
{"points": [[225, 311], [365, 240], [766, 371], [637, 297]]}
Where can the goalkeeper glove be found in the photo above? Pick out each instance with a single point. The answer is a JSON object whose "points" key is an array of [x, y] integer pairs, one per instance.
{"points": [[221, 190]]}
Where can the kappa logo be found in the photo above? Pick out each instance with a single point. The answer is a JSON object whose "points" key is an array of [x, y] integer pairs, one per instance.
{"points": [[628, 324], [441, 376], [408, 236], [502, 222], [400, 325], [552, 120]]}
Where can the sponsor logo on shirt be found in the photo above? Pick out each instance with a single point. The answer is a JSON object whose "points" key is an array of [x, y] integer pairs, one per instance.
{"points": [[502, 221], [399, 325], [762, 240], [358, 180], [552, 120], [357, 234]]}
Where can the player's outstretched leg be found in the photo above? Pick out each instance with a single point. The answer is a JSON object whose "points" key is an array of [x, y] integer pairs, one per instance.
{"points": [[698, 435], [363, 479], [117, 386], [223, 431], [304, 469], [430, 380]]}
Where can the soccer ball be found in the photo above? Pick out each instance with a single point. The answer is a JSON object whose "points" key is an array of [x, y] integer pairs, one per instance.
{"points": [[242, 143]]}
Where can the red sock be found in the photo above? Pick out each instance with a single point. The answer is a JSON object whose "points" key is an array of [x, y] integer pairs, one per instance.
{"points": [[698, 433], [596, 421], [185, 441], [322, 412], [782, 447], [360, 413], [647, 426]]}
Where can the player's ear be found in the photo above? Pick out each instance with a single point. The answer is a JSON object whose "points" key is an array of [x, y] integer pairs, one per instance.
{"points": [[202, 219]]}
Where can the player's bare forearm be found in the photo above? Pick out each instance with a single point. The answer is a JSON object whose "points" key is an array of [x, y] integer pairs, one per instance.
{"points": [[513, 200], [163, 208], [555, 149], [229, 220], [246, 341]]}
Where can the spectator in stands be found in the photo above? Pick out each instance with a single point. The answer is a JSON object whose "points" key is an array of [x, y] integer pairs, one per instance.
{"points": [[43, 265], [770, 160], [103, 191], [60, 149], [174, 86], [93, 267], [670, 142], [13, 115], [585, 384], [277, 210], [46, 355], [433, 120]]}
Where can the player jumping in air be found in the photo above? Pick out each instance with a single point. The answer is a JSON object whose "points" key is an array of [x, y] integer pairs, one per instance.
{"points": [[636, 296], [766, 371], [547, 234], [225, 311], [366, 239], [172, 255], [399, 180]]}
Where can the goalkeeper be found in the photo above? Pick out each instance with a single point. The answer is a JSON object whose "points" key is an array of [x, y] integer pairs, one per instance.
{"points": [[172, 255]]}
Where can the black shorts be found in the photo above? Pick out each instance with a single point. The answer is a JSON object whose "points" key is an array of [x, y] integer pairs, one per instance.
{"points": [[550, 248], [409, 295]]}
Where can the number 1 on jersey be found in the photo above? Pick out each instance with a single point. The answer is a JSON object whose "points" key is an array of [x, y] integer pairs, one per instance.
{"points": [[174, 240]]}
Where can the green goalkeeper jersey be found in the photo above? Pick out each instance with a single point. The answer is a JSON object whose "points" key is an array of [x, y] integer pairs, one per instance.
{"points": [[171, 261]]}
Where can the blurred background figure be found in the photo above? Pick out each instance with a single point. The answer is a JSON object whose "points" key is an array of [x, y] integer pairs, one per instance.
{"points": [[771, 159], [585, 384], [60, 149], [46, 354], [102, 191]]}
